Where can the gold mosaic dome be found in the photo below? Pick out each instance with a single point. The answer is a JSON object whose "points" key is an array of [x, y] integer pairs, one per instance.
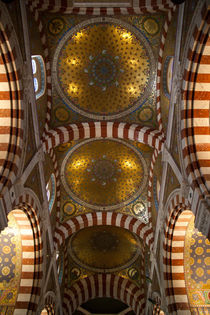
{"points": [[104, 174], [102, 248], [103, 70]]}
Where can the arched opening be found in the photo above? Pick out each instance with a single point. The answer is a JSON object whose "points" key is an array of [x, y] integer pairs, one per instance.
{"points": [[173, 260], [100, 218], [104, 306], [20, 265], [39, 74], [195, 112], [11, 106], [32, 259], [104, 285], [51, 191]]}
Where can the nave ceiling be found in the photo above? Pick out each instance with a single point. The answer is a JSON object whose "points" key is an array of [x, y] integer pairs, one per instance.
{"points": [[103, 120]]}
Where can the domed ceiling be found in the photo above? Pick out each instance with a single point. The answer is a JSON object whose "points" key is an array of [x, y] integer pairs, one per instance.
{"points": [[102, 248], [103, 70], [104, 174]]}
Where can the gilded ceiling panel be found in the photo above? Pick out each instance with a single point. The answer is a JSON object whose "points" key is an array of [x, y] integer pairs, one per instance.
{"points": [[10, 264], [105, 183], [197, 268], [102, 248], [103, 70], [104, 174], [137, 97]]}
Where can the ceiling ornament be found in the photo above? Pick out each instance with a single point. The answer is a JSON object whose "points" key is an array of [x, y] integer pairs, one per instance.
{"points": [[75, 273], [151, 26], [62, 114], [102, 248], [103, 68], [69, 208], [104, 174], [56, 25], [146, 114], [133, 273], [140, 210]]}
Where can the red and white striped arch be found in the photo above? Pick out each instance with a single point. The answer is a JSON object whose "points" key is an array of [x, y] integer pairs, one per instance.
{"points": [[11, 105], [149, 195], [195, 130], [134, 132], [176, 223], [160, 66], [58, 185], [26, 282], [104, 285], [27, 215], [65, 7], [150, 183], [103, 218], [146, 135]]}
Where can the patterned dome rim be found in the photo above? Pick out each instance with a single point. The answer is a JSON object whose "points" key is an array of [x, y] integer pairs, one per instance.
{"points": [[81, 26], [101, 207], [106, 270]]}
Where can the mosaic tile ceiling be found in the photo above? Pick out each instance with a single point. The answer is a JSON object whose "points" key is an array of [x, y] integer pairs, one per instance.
{"points": [[102, 248], [103, 70], [104, 174], [10, 264], [197, 267]]}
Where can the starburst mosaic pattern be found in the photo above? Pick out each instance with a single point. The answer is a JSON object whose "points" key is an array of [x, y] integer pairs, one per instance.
{"points": [[104, 174], [103, 70]]}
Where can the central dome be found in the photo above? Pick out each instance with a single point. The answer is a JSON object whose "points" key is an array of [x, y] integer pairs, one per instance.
{"points": [[103, 70], [104, 174]]}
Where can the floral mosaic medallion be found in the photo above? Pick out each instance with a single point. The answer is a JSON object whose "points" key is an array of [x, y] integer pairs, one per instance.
{"points": [[62, 114], [55, 26], [103, 68], [151, 26], [69, 208], [104, 174], [146, 114], [197, 267]]}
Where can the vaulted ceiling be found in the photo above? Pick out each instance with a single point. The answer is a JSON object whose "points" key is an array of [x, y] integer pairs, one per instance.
{"points": [[102, 152], [105, 69]]}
